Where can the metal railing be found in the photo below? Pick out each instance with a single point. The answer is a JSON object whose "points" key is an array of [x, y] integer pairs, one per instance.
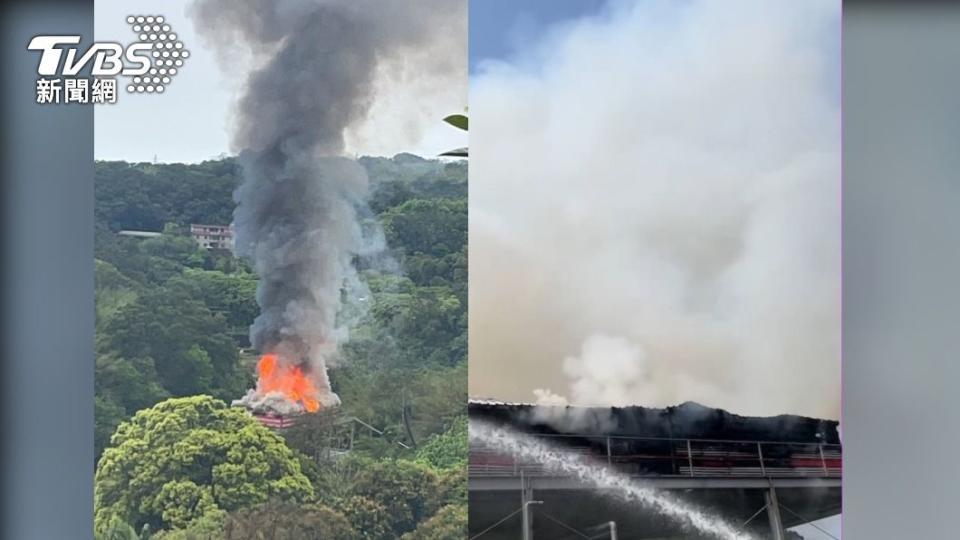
{"points": [[652, 456]]}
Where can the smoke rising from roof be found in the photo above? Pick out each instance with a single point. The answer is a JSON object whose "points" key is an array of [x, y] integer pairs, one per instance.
{"points": [[318, 68], [655, 210]]}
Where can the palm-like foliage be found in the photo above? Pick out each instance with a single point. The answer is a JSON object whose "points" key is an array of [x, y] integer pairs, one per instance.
{"points": [[459, 121]]}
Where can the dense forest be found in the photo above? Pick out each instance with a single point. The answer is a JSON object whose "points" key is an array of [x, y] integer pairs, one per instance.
{"points": [[175, 461]]}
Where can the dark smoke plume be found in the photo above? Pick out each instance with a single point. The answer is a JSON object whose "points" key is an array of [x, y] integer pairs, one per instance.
{"points": [[316, 67]]}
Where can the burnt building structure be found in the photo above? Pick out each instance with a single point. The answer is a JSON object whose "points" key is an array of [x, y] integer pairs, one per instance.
{"points": [[761, 474]]}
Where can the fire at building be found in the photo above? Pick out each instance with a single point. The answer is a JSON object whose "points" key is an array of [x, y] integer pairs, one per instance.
{"points": [[283, 392], [763, 474]]}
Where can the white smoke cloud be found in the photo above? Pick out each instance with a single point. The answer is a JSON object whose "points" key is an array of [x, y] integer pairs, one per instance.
{"points": [[655, 210], [609, 371], [548, 398], [556, 411]]}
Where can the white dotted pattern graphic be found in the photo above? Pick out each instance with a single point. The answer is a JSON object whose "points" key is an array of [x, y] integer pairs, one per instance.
{"points": [[167, 52]]}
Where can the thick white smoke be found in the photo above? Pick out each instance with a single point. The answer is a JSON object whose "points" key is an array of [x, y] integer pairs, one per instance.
{"points": [[655, 210]]}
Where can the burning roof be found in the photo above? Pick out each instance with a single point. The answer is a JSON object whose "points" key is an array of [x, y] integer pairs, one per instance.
{"points": [[282, 389], [688, 420]]}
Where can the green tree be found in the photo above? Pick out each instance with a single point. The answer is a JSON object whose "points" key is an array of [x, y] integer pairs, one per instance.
{"points": [[185, 458], [451, 487], [174, 246], [390, 194], [207, 527], [145, 196], [190, 346], [429, 324], [433, 395], [287, 521], [447, 450], [434, 227], [117, 529], [370, 519], [131, 383], [155, 260], [112, 290], [449, 523], [233, 295], [403, 488], [121, 387], [107, 416]]}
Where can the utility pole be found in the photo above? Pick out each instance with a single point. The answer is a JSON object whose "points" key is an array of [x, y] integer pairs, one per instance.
{"points": [[611, 527], [526, 498], [527, 522]]}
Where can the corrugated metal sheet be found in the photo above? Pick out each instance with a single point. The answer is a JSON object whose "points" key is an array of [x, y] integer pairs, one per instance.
{"points": [[276, 421]]}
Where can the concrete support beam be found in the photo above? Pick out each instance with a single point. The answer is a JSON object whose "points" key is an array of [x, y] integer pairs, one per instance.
{"points": [[773, 513]]}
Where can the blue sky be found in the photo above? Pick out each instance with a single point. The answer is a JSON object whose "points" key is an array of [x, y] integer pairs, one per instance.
{"points": [[499, 27]]}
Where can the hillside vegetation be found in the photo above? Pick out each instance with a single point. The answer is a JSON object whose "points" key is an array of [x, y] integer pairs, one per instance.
{"points": [[172, 352]]}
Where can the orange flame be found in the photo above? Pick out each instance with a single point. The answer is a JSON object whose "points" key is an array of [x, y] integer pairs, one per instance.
{"points": [[288, 380]]}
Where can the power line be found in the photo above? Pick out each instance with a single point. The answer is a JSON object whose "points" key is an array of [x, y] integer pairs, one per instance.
{"points": [[488, 529], [565, 526], [810, 523], [755, 514]]}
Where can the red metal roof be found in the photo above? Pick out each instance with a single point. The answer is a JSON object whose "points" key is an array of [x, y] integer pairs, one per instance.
{"points": [[276, 421]]}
